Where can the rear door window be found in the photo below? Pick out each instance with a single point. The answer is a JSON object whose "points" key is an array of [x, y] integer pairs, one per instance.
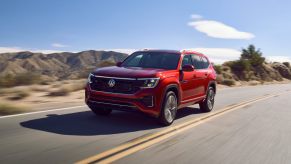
{"points": [[197, 61]]}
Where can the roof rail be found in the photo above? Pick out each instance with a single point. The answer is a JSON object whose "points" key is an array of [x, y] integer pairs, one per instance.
{"points": [[189, 51]]}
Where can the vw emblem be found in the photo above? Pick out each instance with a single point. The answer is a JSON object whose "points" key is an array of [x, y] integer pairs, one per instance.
{"points": [[111, 83]]}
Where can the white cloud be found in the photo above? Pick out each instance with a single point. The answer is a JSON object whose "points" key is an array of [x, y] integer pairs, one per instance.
{"points": [[217, 29], [58, 45], [219, 55], [279, 59], [18, 49], [196, 16], [10, 49]]}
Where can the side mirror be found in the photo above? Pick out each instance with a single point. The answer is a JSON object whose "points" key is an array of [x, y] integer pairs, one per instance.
{"points": [[118, 64], [188, 68]]}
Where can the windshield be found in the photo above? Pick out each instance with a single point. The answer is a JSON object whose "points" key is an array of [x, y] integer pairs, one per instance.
{"points": [[161, 60]]}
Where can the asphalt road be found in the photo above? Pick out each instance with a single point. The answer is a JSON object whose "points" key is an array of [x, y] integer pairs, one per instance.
{"points": [[258, 133]]}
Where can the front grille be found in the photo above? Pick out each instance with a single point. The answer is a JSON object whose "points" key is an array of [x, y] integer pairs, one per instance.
{"points": [[124, 86]]}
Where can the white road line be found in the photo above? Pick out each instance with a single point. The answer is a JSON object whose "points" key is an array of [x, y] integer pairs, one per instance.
{"points": [[44, 111]]}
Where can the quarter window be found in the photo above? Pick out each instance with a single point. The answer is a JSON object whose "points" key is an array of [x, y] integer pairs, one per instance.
{"points": [[205, 62]]}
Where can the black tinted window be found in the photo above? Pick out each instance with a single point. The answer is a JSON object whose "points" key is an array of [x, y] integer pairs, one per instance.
{"points": [[159, 60], [205, 62], [197, 62], [186, 60]]}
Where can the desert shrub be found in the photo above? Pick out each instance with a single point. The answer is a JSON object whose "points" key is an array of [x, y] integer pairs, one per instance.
{"points": [[218, 69], [65, 90], [254, 82], [59, 92], [228, 82], [225, 69], [6, 109], [21, 94], [219, 79], [227, 75], [287, 64], [44, 82], [19, 79], [240, 65]]}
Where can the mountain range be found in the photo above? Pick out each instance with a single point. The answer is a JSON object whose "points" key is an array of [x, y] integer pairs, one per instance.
{"points": [[65, 65]]}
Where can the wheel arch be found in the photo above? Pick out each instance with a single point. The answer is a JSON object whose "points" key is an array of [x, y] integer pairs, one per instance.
{"points": [[175, 89], [212, 84]]}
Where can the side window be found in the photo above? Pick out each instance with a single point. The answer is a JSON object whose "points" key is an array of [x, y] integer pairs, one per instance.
{"points": [[186, 60], [205, 62], [197, 61]]}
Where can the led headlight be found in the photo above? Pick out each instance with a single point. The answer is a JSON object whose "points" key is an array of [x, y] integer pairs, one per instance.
{"points": [[149, 82], [90, 78]]}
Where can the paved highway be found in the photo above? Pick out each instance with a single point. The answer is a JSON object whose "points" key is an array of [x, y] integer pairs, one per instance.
{"points": [[259, 132]]}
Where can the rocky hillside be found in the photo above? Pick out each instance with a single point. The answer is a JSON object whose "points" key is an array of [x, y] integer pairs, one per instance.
{"points": [[55, 66]]}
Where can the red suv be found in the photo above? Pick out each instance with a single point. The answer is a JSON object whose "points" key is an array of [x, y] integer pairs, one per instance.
{"points": [[155, 82]]}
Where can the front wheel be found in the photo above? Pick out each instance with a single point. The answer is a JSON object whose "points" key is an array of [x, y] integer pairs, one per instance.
{"points": [[169, 109], [208, 104]]}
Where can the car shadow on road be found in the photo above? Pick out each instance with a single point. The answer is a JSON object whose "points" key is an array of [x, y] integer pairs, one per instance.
{"points": [[87, 124]]}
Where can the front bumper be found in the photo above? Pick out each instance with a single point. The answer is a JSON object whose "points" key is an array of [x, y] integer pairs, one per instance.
{"points": [[145, 100]]}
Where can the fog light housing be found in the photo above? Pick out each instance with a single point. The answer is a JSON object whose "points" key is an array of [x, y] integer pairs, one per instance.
{"points": [[148, 101]]}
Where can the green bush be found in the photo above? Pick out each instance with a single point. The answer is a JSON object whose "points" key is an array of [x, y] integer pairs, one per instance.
{"points": [[240, 65], [252, 55]]}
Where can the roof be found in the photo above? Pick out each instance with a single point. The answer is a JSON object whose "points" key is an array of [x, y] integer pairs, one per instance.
{"points": [[159, 50], [172, 51]]}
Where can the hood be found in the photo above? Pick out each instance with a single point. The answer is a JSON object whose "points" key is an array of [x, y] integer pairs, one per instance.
{"points": [[128, 72]]}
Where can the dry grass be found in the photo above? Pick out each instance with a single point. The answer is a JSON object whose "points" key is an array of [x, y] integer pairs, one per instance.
{"points": [[6, 109], [228, 82], [21, 94], [36, 88], [66, 89]]}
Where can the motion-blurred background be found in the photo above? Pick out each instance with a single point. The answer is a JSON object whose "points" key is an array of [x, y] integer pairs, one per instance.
{"points": [[47, 48]]}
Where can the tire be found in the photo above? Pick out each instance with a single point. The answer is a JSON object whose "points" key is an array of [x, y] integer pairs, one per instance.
{"points": [[100, 111], [208, 103], [169, 109]]}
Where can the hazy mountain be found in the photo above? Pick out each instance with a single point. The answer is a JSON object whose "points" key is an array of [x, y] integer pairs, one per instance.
{"points": [[56, 65]]}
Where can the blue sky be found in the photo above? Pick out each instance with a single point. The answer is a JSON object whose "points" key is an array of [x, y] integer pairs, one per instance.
{"points": [[220, 28]]}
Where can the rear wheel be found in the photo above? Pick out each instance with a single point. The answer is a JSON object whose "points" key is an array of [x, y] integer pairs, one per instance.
{"points": [[208, 103], [169, 109], [100, 110]]}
